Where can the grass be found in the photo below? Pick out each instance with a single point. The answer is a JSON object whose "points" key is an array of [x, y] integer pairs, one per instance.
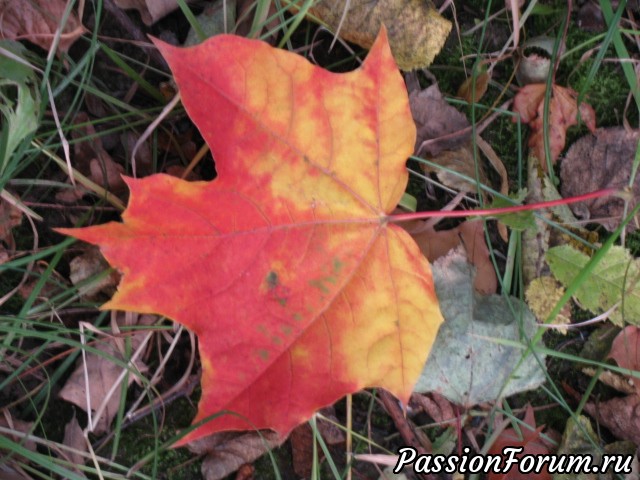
{"points": [[48, 327]]}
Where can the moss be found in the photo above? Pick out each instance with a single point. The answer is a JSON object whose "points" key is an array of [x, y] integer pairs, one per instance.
{"points": [[145, 437]]}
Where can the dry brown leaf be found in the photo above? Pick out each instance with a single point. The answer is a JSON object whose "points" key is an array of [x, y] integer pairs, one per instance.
{"points": [[438, 124], [74, 438], [302, 440], [435, 244], [416, 30], [10, 217], [20, 427], [601, 160], [150, 10], [37, 21], [87, 265], [620, 415], [563, 113], [103, 374], [481, 83], [625, 350], [92, 160], [226, 452], [437, 407]]}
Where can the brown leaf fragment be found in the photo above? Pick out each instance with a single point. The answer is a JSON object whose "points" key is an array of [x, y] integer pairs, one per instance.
{"points": [[601, 160], [74, 438], [563, 113], [417, 31], [10, 217], [103, 374], [479, 82], [438, 407], [470, 234], [625, 350], [302, 442], [90, 264], [150, 10], [37, 21], [440, 126], [620, 415], [226, 452]]}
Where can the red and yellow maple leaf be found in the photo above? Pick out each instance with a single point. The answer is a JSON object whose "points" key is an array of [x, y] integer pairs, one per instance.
{"points": [[286, 266], [563, 113]]}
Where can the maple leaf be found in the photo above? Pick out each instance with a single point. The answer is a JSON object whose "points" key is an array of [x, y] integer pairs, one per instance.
{"points": [[287, 266], [530, 439], [563, 113]]}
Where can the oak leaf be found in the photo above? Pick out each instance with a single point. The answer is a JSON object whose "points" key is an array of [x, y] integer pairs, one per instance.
{"points": [[563, 113], [287, 266]]}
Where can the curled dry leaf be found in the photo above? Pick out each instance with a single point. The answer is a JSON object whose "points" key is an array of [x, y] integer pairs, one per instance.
{"points": [[563, 113], [602, 160], [38, 21], [417, 31]]}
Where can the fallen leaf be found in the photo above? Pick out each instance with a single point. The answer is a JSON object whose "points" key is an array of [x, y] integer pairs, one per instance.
{"points": [[532, 442], [579, 438], [88, 265], [470, 234], [474, 87], [542, 294], [437, 407], [620, 415], [103, 374], [613, 281], [465, 365], [10, 217], [38, 21], [286, 266], [438, 124], [74, 438], [302, 442], [563, 113], [602, 160], [625, 350], [417, 31], [226, 452], [150, 10]]}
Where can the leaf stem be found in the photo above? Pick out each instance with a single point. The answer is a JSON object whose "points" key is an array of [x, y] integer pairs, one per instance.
{"points": [[488, 212]]}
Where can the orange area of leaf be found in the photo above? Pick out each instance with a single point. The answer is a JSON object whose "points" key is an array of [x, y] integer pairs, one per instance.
{"points": [[563, 113], [285, 266]]}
